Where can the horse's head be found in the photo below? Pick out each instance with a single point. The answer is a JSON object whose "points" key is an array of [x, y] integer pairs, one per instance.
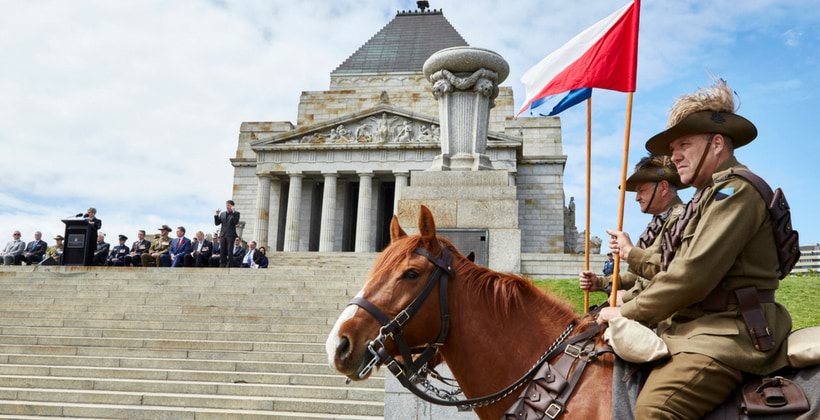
{"points": [[399, 302]]}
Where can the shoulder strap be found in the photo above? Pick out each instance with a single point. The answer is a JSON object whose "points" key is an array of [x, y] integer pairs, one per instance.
{"points": [[762, 186]]}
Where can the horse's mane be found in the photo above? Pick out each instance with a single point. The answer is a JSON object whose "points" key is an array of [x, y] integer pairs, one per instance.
{"points": [[504, 291]]}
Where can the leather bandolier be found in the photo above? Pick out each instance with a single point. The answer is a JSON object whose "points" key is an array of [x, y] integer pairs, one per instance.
{"points": [[747, 299], [652, 229]]}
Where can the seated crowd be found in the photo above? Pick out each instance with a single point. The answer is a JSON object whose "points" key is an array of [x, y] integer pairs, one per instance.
{"points": [[163, 251]]}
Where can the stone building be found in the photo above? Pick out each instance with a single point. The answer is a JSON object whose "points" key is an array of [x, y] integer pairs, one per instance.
{"points": [[331, 181]]}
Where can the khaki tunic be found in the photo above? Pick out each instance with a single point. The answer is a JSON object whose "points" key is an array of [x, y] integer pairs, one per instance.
{"points": [[645, 263], [729, 238], [161, 245]]}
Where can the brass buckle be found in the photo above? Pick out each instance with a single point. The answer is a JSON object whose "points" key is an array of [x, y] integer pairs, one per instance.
{"points": [[553, 411], [573, 350]]}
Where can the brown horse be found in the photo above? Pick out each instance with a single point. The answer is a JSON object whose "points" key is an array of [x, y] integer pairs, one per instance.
{"points": [[499, 324]]}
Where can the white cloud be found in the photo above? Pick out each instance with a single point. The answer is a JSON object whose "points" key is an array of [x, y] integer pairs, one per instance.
{"points": [[791, 38]]}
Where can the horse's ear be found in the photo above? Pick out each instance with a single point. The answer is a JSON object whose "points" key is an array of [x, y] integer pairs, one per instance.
{"points": [[427, 229], [471, 256], [396, 232]]}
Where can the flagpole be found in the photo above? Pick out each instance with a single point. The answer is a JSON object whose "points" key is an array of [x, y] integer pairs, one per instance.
{"points": [[625, 162], [589, 183]]}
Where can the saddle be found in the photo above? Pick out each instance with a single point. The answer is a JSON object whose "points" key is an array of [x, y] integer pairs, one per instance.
{"points": [[762, 396]]}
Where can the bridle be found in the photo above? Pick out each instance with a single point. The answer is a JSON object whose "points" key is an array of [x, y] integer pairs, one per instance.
{"points": [[442, 272], [411, 371]]}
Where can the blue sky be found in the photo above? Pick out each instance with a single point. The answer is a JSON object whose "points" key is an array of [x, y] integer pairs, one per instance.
{"points": [[134, 106]]}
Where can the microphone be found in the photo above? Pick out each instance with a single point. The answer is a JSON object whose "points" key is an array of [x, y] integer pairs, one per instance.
{"points": [[79, 215]]}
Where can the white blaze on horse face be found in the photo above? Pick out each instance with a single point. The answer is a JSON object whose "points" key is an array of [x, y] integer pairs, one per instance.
{"points": [[333, 338]]}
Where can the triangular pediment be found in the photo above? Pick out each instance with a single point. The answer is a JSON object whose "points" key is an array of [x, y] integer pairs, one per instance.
{"points": [[382, 124]]}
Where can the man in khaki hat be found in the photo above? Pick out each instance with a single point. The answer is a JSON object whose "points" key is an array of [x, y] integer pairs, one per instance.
{"points": [[56, 251], [714, 303], [655, 183], [160, 245]]}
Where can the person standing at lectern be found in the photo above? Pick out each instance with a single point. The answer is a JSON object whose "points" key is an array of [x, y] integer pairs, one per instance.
{"points": [[91, 216], [228, 219]]}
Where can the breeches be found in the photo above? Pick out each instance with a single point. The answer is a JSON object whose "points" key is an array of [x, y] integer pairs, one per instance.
{"points": [[685, 386]]}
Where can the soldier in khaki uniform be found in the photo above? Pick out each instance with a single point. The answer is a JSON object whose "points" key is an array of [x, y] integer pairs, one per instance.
{"points": [[159, 246], [656, 184], [724, 246]]}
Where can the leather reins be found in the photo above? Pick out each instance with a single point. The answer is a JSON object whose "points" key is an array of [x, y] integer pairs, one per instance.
{"points": [[409, 372]]}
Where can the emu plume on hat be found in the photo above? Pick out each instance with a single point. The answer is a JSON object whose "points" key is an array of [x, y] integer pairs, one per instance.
{"points": [[706, 111], [654, 168]]}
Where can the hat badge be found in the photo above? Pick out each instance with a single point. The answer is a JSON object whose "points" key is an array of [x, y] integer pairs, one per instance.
{"points": [[717, 118]]}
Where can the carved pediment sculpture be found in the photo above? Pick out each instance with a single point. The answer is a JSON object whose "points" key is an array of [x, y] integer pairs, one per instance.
{"points": [[385, 128]]}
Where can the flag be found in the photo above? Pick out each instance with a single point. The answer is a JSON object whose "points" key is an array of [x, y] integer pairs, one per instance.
{"points": [[604, 56], [574, 97]]}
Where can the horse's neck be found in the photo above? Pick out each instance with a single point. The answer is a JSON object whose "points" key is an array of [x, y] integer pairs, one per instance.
{"points": [[486, 352]]}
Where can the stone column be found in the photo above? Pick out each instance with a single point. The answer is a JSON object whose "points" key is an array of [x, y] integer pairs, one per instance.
{"points": [[465, 83], [363, 239], [260, 234], [273, 213], [328, 226], [401, 182], [292, 216]]}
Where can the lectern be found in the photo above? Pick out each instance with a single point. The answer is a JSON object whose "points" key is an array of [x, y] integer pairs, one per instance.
{"points": [[80, 242]]}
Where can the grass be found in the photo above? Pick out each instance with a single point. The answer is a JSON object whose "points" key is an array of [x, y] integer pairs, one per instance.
{"points": [[796, 293]]}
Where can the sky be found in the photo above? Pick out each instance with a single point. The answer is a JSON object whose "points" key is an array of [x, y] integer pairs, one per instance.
{"points": [[134, 106]]}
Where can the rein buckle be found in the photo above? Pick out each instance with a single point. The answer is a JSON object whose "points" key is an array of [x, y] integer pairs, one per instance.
{"points": [[402, 318], [573, 351], [553, 411], [372, 363]]}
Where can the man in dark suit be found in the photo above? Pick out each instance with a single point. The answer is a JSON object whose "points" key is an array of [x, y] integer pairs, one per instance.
{"points": [[118, 253], [228, 219], [237, 254], [176, 254], [140, 246], [101, 254], [34, 250], [215, 252], [201, 251]]}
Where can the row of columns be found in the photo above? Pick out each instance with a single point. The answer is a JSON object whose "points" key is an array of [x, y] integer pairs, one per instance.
{"points": [[269, 191]]}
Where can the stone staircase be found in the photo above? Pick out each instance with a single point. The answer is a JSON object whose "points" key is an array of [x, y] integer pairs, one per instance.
{"points": [[180, 343]]}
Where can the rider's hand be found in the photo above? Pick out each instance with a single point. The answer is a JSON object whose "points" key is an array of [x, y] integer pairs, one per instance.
{"points": [[587, 281], [619, 243], [606, 314]]}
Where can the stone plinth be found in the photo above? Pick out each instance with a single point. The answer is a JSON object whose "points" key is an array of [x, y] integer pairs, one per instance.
{"points": [[465, 83], [468, 200]]}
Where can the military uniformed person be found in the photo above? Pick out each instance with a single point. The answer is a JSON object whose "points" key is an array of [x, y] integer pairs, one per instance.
{"points": [[118, 253], [725, 253], [160, 245], [56, 251], [655, 183]]}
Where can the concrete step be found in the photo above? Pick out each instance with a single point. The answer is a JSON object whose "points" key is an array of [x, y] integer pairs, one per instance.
{"points": [[262, 316], [288, 332], [375, 382], [274, 307], [110, 411], [266, 341], [215, 389], [256, 356], [181, 363]]}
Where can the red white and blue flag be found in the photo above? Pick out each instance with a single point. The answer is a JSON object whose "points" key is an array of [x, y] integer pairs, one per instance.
{"points": [[604, 56]]}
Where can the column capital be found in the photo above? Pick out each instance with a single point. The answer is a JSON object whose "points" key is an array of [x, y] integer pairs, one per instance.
{"points": [[365, 173], [295, 174], [330, 174]]}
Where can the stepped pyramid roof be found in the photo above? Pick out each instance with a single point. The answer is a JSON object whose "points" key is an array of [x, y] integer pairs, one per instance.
{"points": [[403, 45]]}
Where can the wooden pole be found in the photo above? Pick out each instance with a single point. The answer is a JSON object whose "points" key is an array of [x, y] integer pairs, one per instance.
{"points": [[625, 162], [589, 184]]}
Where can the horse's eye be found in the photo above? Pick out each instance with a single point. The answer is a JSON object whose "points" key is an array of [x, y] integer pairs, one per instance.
{"points": [[410, 275]]}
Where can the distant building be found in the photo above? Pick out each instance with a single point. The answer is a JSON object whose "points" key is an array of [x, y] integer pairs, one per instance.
{"points": [[809, 259]]}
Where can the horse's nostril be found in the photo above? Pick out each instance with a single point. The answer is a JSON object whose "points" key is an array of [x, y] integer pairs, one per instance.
{"points": [[344, 348]]}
